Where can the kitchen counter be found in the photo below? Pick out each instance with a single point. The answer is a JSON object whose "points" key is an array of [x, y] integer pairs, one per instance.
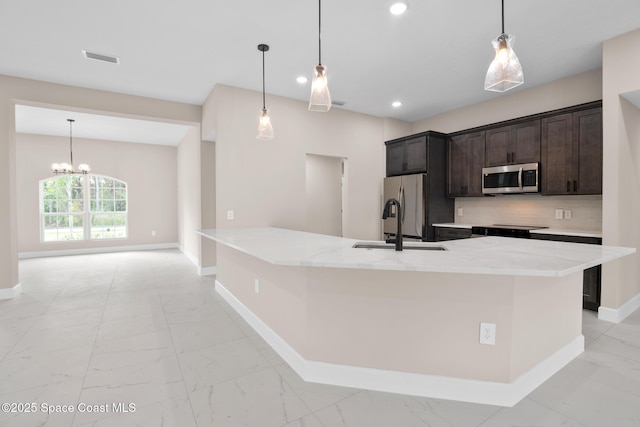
{"points": [[410, 322], [550, 231], [487, 255], [453, 225]]}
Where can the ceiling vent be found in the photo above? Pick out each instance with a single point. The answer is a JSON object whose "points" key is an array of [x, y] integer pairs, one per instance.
{"points": [[338, 103], [100, 57]]}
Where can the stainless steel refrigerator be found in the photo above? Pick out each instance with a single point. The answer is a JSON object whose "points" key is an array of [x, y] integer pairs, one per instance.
{"points": [[423, 201]]}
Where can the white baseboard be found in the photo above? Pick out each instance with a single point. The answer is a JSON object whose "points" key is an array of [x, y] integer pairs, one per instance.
{"points": [[208, 271], [9, 293], [194, 260], [87, 251], [617, 315], [434, 386], [202, 271]]}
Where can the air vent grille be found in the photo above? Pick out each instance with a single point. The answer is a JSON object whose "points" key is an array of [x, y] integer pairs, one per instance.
{"points": [[100, 57]]}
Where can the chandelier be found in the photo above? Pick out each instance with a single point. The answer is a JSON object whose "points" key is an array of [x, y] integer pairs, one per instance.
{"points": [[67, 168]]}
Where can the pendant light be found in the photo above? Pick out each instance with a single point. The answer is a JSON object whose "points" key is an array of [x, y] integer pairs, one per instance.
{"points": [[67, 168], [505, 72], [320, 99], [265, 130]]}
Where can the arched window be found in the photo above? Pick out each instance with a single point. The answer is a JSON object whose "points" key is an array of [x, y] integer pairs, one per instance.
{"points": [[83, 207]]}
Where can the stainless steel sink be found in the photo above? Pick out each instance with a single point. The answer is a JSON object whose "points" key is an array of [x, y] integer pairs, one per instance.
{"points": [[392, 246]]}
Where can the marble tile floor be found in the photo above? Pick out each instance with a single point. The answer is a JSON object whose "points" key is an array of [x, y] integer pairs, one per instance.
{"points": [[100, 332]]}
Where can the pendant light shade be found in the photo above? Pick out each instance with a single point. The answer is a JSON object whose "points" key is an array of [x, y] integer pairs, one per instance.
{"points": [[67, 168], [265, 130], [320, 99], [505, 71]]}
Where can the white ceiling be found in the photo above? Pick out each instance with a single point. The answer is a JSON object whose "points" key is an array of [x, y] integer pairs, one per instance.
{"points": [[433, 58]]}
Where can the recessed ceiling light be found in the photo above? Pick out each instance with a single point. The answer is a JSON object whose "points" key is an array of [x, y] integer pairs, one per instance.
{"points": [[398, 8], [302, 80], [396, 104]]}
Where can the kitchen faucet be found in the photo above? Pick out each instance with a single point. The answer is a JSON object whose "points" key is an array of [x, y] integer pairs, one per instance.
{"points": [[386, 213]]}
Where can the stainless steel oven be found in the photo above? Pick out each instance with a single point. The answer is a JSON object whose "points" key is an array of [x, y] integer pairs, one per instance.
{"points": [[511, 179]]}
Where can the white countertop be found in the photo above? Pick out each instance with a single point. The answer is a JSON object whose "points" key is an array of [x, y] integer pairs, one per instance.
{"points": [[483, 255]]}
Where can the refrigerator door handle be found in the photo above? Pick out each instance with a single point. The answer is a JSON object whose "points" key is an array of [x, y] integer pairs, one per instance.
{"points": [[402, 204]]}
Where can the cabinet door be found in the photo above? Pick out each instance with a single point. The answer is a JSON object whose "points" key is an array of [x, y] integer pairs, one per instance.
{"points": [[556, 156], [476, 149], [395, 158], [457, 171], [447, 233], [587, 151], [591, 288], [499, 146], [526, 143], [415, 155]]}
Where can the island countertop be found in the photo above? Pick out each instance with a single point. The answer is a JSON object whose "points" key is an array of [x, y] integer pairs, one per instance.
{"points": [[483, 255]]}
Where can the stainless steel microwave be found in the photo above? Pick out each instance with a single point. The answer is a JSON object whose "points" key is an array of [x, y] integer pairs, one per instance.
{"points": [[511, 179]]}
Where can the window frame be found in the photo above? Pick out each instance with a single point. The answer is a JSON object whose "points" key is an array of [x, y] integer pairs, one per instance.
{"points": [[86, 213]]}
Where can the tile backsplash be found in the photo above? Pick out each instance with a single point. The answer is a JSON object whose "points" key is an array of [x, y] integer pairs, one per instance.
{"points": [[586, 211]]}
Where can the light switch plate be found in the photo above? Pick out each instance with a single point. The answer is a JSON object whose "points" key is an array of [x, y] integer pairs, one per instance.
{"points": [[230, 215], [558, 213], [459, 211]]}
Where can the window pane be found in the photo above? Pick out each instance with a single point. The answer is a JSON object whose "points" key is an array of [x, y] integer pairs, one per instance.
{"points": [[106, 193], [108, 226], [49, 206], [121, 206], [77, 206], [50, 232], [63, 206], [77, 229], [108, 206]]}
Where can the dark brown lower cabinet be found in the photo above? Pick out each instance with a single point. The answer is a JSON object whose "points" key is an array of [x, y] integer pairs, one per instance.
{"points": [[592, 277], [451, 233]]}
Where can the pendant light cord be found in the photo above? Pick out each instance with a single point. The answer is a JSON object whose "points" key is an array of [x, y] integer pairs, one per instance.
{"points": [[263, 89], [320, 32], [71, 139], [502, 16]]}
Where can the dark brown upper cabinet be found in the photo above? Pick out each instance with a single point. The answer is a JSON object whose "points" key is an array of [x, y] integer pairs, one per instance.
{"points": [[409, 155], [512, 144], [572, 153], [466, 155]]}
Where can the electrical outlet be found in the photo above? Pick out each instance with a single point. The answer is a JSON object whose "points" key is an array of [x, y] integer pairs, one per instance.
{"points": [[153, 233], [257, 285], [230, 215], [488, 333], [567, 214], [558, 213], [459, 211]]}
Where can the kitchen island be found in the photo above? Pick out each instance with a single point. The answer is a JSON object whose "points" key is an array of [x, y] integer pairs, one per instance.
{"points": [[410, 322]]}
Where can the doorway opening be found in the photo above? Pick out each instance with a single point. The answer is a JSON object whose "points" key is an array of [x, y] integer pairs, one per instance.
{"points": [[326, 194]]}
